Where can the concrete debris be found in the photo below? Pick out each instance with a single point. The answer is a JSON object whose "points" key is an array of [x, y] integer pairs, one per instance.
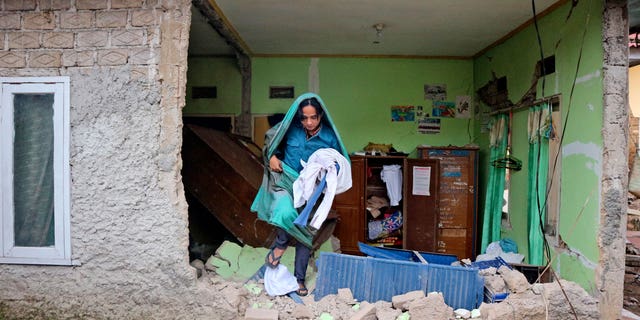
{"points": [[515, 280], [402, 301], [302, 312], [550, 304], [346, 296], [430, 307], [248, 300], [261, 314], [199, 266], [385, 311], [495, 283], [367, 311], [490, 271]]}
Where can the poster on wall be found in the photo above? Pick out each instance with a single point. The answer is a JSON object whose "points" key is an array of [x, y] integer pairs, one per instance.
{"points": [[435, 92], [463, 107], [429, 126], [421, 181], [403, 113], [444, 109], [484, 120]]}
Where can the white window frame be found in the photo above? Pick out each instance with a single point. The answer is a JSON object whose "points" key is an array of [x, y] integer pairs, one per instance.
{"points": [[60, 253]]}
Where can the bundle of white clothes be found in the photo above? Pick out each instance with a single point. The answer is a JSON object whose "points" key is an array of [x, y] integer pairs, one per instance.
{"points": [[392, 177], [279, 281], [322, 163]]}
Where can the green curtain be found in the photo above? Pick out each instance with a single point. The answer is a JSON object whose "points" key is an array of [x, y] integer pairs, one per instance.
{"points": [[492, 216], [33, 188], [538, 132]]}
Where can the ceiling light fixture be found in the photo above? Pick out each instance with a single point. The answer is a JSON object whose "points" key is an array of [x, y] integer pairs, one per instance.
{"points": [[378, 27]]}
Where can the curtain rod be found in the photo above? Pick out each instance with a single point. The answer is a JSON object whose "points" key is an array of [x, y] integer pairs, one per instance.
{"points": [[552, 99]]}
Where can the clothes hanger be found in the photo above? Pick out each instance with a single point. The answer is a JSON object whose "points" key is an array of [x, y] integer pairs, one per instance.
{"points": [[510, 162]]}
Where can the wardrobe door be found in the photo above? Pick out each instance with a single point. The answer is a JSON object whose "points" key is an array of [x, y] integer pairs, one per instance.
{"points": [[349, 207], [458, 203], [420, 204]]}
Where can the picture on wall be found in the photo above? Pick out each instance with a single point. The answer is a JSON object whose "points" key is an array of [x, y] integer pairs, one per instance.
{"points": [[429, 125], [444, 109], [403, 113], [281, 92], [435, 92], [463, 107]]}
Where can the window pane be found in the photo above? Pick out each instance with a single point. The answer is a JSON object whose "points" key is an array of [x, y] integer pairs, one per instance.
{"points": [[33, 170]]}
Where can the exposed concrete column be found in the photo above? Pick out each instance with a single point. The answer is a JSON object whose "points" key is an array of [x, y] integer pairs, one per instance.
{"points": [[615, 133]]}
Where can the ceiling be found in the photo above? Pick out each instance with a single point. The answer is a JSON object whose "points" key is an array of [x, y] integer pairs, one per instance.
{"points": [[433, 28], [419, 28]]}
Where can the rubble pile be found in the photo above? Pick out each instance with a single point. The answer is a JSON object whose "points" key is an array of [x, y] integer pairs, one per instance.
{"points": [[631, 299], [554, 300], [248, 300]]}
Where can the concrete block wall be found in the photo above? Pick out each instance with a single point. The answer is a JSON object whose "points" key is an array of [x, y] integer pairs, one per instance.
{"points": [[127, 62], [54, 34]]}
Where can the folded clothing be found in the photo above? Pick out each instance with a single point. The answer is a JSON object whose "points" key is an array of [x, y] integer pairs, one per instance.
{"points": [[382, 228], [374, 204]]}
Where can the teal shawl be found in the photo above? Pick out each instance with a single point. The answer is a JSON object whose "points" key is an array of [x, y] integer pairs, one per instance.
{"points": [[274, 201]]}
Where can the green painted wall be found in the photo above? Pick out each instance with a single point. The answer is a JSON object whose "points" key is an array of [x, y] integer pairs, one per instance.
{"points": [[581, 110], [358, 92], [220, 72]]}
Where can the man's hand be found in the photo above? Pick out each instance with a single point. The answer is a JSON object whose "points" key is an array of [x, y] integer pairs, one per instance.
{"points": [[274, 164]]}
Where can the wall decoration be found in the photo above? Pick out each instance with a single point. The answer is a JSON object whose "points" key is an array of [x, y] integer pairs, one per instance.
{"points": [[402, 113], [281, 92], [435, 92], [204, 92], [419, 112], [463, 107], [444, 109], [429, 125]]}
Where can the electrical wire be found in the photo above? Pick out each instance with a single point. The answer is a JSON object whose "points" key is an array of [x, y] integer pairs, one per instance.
{"points": [[545, 244]]}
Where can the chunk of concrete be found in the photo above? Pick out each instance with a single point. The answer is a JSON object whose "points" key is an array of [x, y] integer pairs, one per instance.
{"points": [[302, 312], [514, 279], [261, 314], [367, 312], [385, 311], [495, 283], [345, 296], [234, 296], [402, 301], [430, 307]]}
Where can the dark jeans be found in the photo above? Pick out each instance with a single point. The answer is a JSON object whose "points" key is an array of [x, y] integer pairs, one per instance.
{"points": [[303, 253]]}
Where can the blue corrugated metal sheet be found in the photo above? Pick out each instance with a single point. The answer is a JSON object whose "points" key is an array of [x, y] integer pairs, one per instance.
{"points": [[406, 255], [374, 279]]}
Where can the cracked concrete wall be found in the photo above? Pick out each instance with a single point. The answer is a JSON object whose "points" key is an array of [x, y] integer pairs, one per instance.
{"points": [[127, 62]]}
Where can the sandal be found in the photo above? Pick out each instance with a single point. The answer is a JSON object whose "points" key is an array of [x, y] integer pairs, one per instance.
{"points": [[271, 260], [302, 291]]}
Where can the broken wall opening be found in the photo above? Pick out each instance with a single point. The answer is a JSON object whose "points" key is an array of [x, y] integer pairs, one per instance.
{"points": [[206, 233]]}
